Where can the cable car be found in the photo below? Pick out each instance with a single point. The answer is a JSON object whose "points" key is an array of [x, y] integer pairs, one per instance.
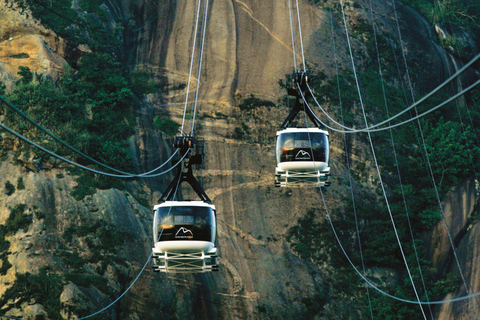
{"points": [[184, 236], [185, 232], [302, 154]]}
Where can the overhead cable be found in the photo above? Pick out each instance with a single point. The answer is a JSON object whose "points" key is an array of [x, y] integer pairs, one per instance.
{"points": [[84, 167], [301, 40], [430, 171], [292, 32], [372, 284], [25, 116], [199, 72], [443, 84], [191, 64], [121, 296], [376, 164], [382, 81], [406, 121]]}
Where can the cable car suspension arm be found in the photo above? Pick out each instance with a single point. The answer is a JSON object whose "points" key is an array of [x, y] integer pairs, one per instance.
{"points": [[193, 151], [301, 94]]}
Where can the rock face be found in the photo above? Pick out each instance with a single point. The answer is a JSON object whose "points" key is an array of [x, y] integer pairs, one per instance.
{"points": [[25, 42], [461, 226], [247, 51]]}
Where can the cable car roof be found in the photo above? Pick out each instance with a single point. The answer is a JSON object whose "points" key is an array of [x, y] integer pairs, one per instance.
{"points": [[183, 204], [301, 130]]}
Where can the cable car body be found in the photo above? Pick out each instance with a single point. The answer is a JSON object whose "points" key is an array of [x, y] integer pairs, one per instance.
{"points": [[184, 237], [185, 232], [302, 154]]}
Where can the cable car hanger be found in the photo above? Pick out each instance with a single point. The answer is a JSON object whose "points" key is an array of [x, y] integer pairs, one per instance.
{"points": [[301, 94], [193, 151]]}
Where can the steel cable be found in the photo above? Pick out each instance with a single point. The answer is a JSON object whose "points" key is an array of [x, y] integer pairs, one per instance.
{"points": [[371, 128], [25, 116], [430, 170], [18, 135], [375, 160]]}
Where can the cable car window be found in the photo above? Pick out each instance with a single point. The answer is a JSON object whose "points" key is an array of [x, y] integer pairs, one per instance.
{"points": [[201, 219], [290, 143]]}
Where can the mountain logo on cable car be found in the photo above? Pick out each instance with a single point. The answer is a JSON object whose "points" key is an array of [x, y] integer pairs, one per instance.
{"points": [[302, 155], [184, 233]]}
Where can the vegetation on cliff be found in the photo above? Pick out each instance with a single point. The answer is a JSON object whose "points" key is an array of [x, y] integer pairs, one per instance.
{"points": [[91, 107]]}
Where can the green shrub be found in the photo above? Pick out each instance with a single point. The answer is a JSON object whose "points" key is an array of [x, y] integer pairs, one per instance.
{"points": [[252, 103], [4, 246], [71, 259], [26, 74], [238, 133], [20, 184], [85, 187], [166, 125], [10, 188], [18, 220], [140, 82], [44, 288], [87, 280]]}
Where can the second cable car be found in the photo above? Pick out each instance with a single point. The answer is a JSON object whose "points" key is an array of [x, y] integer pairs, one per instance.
{"points": [[302, 154]]}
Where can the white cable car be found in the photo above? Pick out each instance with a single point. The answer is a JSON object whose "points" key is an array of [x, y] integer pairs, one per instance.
{"points": [[184, 237], [185, 232], [302, 154]]}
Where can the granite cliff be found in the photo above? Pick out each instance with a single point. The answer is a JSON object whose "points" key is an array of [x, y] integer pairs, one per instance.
{"points": [[90, 250]]}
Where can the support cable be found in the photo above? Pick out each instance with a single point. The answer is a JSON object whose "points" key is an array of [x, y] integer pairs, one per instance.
{"points": [[430, 170], [18, 135], [416, 103], [301, 40], [348, 166], [372, 284], [25, 116], [400, 80], [104, 173], [138, 276], [124, 293], [292, 32], [376, 164], [382, 81], [457, 104], [372, 129], [191, 64], [199, 72]]}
